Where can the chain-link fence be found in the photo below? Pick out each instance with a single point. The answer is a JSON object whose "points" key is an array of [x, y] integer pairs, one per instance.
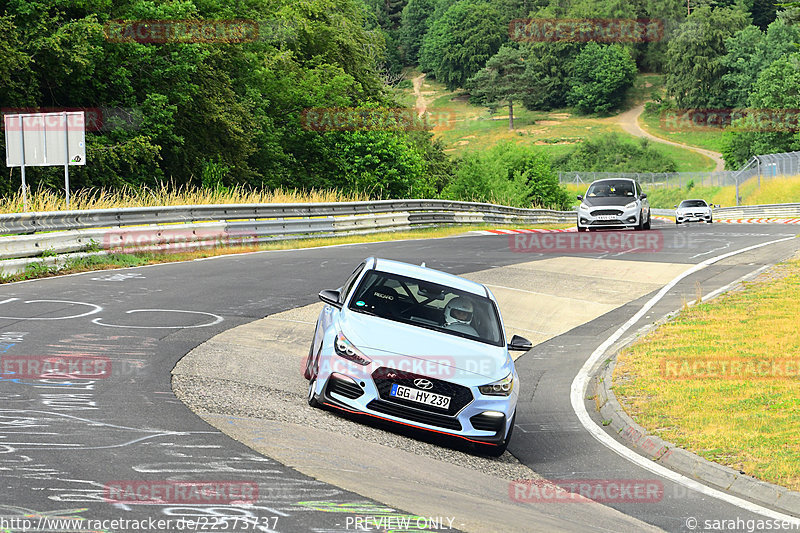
{"points": [[761, 166], [651, 180]]}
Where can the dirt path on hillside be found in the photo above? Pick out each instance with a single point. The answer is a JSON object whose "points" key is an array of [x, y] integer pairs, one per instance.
{"points": [[421, 104], [629, 120]]}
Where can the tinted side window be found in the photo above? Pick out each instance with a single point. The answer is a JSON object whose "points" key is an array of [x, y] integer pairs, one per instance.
{"points": [[348, 285]]}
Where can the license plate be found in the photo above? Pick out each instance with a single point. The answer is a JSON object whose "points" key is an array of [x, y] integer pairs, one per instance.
{"points": [[606, 217], [420, 396]]}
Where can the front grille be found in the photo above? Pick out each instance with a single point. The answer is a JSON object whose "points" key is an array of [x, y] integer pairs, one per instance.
{"points": [[460, 396], [605, 223], [614, 212], [415, 415], [345, 387], [488, 423]]}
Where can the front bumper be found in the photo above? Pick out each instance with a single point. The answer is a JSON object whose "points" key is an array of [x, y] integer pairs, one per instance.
{"points": [[608, 217], [702, 216], [467, 418]]}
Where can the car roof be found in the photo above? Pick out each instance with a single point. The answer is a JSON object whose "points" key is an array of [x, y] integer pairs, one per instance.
{"points": [[694, 200], [613, 179], [426, 274]]}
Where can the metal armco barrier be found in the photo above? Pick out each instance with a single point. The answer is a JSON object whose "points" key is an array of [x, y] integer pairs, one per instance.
{"points": [[18, 223], [759, 211], [45, 236]]}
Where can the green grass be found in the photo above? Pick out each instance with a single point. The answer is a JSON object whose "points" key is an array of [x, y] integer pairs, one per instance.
{"points": [[772, 191], [710, 140], [554, 132], [685, 160], [645, 87], [746, 421]]}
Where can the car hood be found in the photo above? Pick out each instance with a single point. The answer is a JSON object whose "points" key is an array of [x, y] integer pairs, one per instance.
{"points": [[419, 350], [603, 201], [692, 209]]}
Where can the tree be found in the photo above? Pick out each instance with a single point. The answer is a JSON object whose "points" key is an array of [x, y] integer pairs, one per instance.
{"points": [[772, 126], [694, 56], [459, 43], [500, 82], [601, 76], [413, 26], [750, 51], [546, 76]]}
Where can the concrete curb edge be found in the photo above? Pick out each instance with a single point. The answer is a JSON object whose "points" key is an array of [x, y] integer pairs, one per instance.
{"points": [[618, 422]]}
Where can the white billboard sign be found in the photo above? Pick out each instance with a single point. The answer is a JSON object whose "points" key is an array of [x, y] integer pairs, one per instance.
{"points": [[45, 139], [48, 139]]}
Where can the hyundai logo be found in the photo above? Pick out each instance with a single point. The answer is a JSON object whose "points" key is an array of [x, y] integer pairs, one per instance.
{"points": [[423, 384]]}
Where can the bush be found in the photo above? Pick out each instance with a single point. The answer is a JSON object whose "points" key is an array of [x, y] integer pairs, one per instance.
{"points": [[508, 174], [610, 153]]}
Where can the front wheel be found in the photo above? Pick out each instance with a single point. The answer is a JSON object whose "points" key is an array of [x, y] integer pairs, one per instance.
{"points": [[582, 229], [647, 224], [312, 395]]}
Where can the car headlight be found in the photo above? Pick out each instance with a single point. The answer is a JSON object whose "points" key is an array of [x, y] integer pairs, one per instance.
{"points": [[630, 205], [345, 348], [502, 387], [583, 207]]}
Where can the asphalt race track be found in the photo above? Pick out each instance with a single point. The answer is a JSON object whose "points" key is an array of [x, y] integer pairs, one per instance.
{"points": [[62, 443]]}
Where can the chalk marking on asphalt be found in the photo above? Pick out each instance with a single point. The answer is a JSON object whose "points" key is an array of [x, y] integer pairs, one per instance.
{"points": [[217, 319], [96, 309], [580, 383]]}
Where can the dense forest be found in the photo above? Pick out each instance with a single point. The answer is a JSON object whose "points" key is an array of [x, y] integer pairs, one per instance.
{"points": [[227, 111]]}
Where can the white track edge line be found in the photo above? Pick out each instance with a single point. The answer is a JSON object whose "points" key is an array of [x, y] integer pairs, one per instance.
{"points": [[580, 383]]}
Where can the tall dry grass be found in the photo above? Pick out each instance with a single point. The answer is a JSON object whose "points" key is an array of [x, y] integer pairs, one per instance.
{"points": [[48, 200]]}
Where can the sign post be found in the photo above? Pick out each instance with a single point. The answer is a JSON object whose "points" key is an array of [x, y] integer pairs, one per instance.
{"points": [[45, 139]]}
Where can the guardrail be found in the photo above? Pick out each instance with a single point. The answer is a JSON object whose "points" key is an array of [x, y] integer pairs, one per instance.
{"points": [[50, 237], [759, 211], [43, 237]]}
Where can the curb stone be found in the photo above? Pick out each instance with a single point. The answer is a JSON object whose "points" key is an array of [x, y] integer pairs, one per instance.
{"points": [[617, 421]]}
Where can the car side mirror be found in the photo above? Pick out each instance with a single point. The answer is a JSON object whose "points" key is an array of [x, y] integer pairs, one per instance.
{"points": [[331, 298], [580, 197], [519, 344], [644, 195], [675, 206]]}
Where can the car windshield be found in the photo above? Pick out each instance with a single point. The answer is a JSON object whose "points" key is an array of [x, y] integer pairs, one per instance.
{"points": [[693, 203], [610, 189], [428, 305]]}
